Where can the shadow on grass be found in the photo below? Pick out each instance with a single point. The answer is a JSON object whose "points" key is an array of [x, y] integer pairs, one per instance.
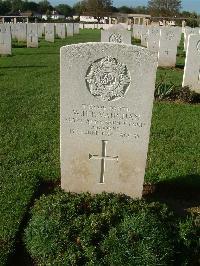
{"points": [[181, 193], [180, 66], [21, 256], [38, 53], [21, 67], [19, 45]]}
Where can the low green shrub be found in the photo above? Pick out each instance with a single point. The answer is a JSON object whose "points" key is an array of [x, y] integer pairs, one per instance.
{"points": [[189, 232], [104, 229], [167, 91]]}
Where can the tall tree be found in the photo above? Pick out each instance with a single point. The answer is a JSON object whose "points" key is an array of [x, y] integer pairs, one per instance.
{"points": [[98, 8], [79, 8], [31, 6], [164, 7], [64, 9], [44, 6], [5, 7]]}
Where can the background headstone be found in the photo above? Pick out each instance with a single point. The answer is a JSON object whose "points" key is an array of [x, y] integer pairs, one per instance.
{"points": [[49, 32], [14, 31], [191, 75], [76, 28], [32, 35], [5, 40], [60, 30], [116, 36], [168, 47], [70, 29], [153, 39], [40, 29], [144, 36], [22, 32], [106, 107], [187, 32]]}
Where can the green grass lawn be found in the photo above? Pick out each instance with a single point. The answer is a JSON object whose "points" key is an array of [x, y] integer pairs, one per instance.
{"points": [[29, 123]]}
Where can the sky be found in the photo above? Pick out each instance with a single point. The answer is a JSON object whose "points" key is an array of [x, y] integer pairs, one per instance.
{"points": [[188, 5]]}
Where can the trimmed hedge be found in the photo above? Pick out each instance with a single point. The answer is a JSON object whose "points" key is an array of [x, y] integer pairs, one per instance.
{"points": [[105, 229]]}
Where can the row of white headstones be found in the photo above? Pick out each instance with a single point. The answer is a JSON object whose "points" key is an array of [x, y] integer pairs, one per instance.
{"points": [[31, 32], [107, 92], [164, 41]]}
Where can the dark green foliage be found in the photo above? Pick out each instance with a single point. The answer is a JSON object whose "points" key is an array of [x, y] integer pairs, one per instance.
{"points": [[189, 231], [105, 229], [140, 239], [167, 91]]}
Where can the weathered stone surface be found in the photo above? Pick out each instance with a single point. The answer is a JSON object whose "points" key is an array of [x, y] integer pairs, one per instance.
{"points": [[153, 39], [14, 31], [41, 29], [49, 32], [144, 35], [32, 35], [116, 36], [60, 30], [5, 40], [191, 75], [136, 31], [106, 106], [22, 32], [70, 29], [168, 42], [76, 28], [187, 32]]}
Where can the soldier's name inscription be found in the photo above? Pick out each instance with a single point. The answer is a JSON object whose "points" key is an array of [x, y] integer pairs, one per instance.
{"points": [[100, 120]]}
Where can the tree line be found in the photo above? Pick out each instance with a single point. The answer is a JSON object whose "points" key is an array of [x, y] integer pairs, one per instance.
{"points": [[96, 8]]}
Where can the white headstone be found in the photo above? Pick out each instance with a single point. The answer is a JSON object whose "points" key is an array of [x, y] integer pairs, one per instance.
{"points": [[76, 28], [106, 26], [187, 32], [32, 35], [191, 75], [14, 31], [99, 26], [70, 29], [5, 40], [106, 107], [22, 32], [144, 36], [61, 30], [40, 29], [119, 26], [116, 36], [168, 47], [49, 32], [136, 31], [89, 26], [153, 39]]}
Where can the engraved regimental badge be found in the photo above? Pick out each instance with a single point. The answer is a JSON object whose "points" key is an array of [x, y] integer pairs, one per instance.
{"points": [[115, 37], [107, 79]]}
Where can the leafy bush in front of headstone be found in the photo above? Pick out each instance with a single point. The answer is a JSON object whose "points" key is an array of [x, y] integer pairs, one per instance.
{"points": [[184, 94], [140, 239], [170, 92], [189, 236], [105, 229]]}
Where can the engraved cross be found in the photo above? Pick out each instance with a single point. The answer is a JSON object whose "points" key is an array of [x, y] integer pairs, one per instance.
{"points": [[103, 159]]}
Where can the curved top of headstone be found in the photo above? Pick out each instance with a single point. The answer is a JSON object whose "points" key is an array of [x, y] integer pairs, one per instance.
{"points": [[117, 27], [142, 54]]}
